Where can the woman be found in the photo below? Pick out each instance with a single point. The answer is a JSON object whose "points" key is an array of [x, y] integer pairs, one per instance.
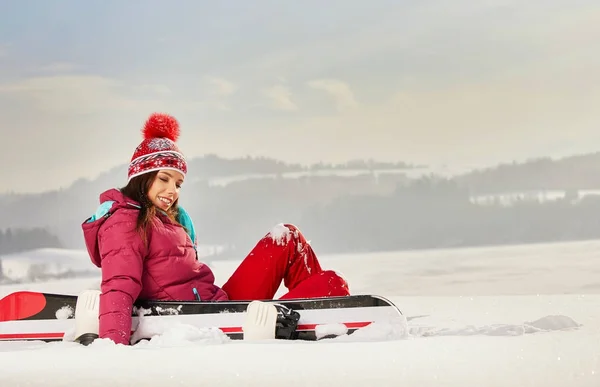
{"points": [[145, 244]]}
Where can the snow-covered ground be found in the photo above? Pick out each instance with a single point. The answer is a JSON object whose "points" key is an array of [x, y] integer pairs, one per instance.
{"points": [[413, 173], [498, 316], [510, 198], [43, 264]]}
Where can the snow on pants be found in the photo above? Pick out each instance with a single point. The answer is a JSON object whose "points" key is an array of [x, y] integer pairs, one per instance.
{"points": [[283, 255]]}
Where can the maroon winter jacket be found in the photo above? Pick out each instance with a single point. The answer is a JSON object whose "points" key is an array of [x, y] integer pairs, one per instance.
{"points": [[164, 269]]}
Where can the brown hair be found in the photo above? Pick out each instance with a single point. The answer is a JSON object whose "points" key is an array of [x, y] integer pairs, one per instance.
{"points": [[137, 190]]}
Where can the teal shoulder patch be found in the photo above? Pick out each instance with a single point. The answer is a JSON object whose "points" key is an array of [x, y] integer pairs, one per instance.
{"points": [[101, 211]]}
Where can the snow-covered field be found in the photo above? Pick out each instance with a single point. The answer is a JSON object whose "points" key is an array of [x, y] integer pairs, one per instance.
{"points": [[499, 316], [46, 264]]}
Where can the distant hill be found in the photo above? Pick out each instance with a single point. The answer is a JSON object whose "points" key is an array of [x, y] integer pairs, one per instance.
{"points": [[235, 201], [579, 172], [62, 211]]}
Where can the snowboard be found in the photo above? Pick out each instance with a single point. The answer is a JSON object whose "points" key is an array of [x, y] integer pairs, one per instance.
{"points": [[28, 315]]}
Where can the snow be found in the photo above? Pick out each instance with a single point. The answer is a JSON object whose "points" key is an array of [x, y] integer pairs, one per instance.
{"points": [[512, 198], [65, 312], [496, 316], [43, 264], [175, 334], [280, 234], [322, 331], [412, 173]]}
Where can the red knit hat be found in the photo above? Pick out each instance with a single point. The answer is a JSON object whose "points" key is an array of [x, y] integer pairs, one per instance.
{"points": [[158, 150]]}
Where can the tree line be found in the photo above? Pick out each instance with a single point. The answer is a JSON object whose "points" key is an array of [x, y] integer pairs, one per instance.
{"points": [[371, 211], [18, 240], [422, 213], [425, 213]]}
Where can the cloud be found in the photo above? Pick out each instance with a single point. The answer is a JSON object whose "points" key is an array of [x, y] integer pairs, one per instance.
{"points": [[419, 81], [219, 91], [156, 89], [58, 67], [436, 42], [221, 86], [470, 123], [72, 117], [339, 91], [280, 98], [71, 94]]}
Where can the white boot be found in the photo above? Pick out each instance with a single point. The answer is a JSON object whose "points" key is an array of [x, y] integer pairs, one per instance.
{"points": [[260, 322], [87, 311]]}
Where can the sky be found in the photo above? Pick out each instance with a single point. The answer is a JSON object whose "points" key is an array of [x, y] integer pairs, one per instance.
{"points": [[457, 82]]}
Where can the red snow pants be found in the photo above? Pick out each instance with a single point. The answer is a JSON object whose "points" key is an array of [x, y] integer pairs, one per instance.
{"points": [[283, 255]]}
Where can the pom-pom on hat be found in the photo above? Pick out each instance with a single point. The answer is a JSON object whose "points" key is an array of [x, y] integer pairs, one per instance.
{"points": [[158, 149]]}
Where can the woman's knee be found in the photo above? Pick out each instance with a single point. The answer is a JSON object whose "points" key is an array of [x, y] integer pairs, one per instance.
{"points": [[282, 233]]}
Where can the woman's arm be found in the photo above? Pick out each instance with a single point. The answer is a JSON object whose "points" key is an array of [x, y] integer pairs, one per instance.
{"points": [[122, 252]]}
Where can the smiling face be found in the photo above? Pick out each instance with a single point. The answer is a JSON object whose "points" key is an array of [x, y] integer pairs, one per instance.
{"points": [[164, 190]]}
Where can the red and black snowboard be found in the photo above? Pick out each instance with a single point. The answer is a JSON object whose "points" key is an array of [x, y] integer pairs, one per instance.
{"points": [[30, 315]]}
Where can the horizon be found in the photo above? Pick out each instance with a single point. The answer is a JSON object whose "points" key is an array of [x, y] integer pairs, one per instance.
{"points": [[472, 85], [408, 167]]}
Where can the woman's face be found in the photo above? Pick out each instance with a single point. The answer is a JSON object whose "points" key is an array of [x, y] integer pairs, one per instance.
{"points": [[164, 190]]}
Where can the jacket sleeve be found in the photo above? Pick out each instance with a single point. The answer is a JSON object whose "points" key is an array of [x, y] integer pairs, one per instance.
{"points": [[122, 252]]}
